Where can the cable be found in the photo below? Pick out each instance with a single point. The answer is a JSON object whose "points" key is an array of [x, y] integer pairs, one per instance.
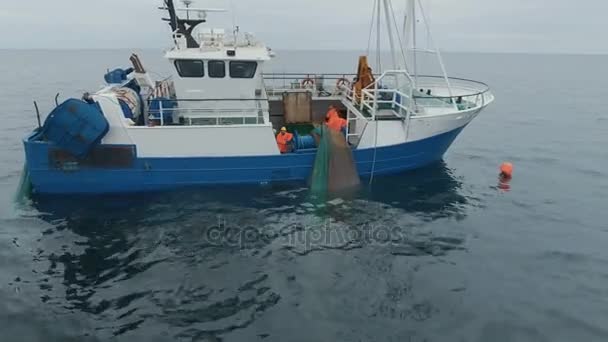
{"points": [[371, 28], [379, 41], [371, 178], [403, 55], [432, 41], [233, 10]]}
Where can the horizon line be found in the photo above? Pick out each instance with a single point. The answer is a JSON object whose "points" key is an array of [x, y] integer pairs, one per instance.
{"points": [[514, 52]]}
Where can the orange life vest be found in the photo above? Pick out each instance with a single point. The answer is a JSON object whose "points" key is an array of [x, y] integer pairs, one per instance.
{"points": [[334, 121], [332, 113], [336, 124], [283, 141]]}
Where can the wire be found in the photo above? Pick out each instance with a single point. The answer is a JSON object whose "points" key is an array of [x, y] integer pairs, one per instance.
{"points": [[371, 28], [378, 40], [161, 76], [371, 177], [403, 55], [233, 10], [432, 41]]}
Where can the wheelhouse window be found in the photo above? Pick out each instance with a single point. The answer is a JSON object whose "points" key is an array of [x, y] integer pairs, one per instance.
{"points": [[190, 68], [239, 69], [216, 69]]}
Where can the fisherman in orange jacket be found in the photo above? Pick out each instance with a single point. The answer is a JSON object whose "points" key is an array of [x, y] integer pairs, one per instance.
{"points": [[334, 121], [284, 140]]}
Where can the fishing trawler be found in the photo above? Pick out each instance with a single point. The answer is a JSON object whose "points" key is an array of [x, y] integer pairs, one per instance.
{"points": [[216, 119]]}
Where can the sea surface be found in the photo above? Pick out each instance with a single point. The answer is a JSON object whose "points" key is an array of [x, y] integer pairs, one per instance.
{"points": [[439, 254]]}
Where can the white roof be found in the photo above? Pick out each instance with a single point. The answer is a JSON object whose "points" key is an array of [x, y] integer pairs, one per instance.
{"points": [[246, 53]]}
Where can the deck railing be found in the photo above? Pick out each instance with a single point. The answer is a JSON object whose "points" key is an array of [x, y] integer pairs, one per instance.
{"points": [[397, 95], [465, 94], [377, 97], [319, 84], [210, 112], [393, 92]]}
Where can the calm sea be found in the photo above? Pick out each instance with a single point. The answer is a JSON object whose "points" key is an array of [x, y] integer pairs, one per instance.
{"points": [[440, 254]]}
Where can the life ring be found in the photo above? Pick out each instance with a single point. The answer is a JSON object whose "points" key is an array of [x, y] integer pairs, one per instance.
{"points": [[308, 82], [343, 82]]}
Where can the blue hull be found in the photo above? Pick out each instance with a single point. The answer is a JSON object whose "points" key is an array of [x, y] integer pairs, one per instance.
{"points": [[154, 174]]}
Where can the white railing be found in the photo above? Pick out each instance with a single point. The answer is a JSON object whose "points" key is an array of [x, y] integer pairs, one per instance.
{"points": [[376, 97], [365, 105], [389, 95], [210, 117], [461, 95], [319, 84], [211, 112]]}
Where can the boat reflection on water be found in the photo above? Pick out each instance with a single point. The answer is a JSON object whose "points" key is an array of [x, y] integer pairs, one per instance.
{"points": [[396, 207], [408, 214], [433, 192], [202, 263]]}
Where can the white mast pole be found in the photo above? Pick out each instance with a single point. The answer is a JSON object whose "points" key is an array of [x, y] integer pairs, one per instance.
{"points": [[409, 36], [428, 21], [390, 34], [400, 39], [432, 42], [371, 28], [405, 32], [414, 47], [378, 56]]}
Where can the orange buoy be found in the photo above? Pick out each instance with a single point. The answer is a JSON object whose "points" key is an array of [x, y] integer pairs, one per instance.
{"points": [[506, 170]]}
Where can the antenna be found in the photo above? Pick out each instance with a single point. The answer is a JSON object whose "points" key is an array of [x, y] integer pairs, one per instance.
{"points": [[186, 26], [235, 28], [187, 3], [172, 15], [233, 10]]}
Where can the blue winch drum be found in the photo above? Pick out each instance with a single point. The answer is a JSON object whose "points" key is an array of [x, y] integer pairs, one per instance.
{"points": [[117, 76], [76, 126], [304, 142]]}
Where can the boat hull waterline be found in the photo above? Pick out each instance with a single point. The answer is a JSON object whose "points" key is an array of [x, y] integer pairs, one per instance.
{"points": [[158, 174]]}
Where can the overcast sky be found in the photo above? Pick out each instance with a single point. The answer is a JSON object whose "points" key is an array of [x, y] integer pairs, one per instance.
{"points": [[562, 26]]}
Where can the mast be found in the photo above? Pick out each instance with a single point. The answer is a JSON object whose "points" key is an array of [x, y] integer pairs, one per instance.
{"points": [[414, 44], [436, 49], [172, 15], [182, 26], [389, 29], [378, 37], [409, 35], [187, 3]]}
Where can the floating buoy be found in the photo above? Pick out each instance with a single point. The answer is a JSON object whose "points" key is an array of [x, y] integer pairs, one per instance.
{"points": [[506, 170], [504, 179]]}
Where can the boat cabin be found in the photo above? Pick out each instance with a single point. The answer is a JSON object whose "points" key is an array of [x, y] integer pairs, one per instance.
{"points": [[221, 82], [218, 86]]}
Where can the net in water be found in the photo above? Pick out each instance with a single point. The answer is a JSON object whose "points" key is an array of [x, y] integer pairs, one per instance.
{"points": [[24, 190], [334, 169]]}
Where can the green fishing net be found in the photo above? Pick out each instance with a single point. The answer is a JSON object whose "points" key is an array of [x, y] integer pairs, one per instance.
{"points": [[320, 171], [24, 190], [334, 169]]}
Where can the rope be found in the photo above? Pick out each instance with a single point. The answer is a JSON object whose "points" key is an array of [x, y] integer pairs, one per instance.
{"points": [[403, 55], [371, 178], [379, 69], [432, 42], [378, 41], [371, 28]]}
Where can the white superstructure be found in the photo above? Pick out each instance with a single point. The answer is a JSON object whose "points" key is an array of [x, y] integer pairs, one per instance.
{"points": [[215, 120], [218, 90]]}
